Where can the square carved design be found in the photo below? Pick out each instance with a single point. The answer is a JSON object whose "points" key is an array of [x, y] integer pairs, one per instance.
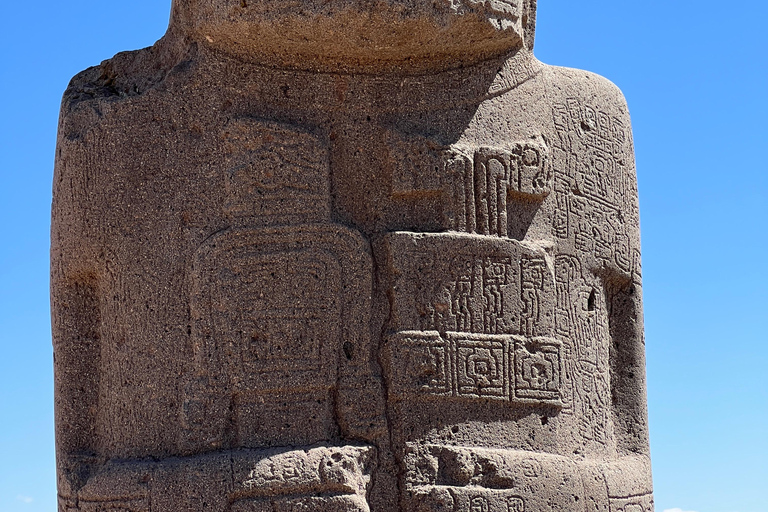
{"points": [[481, 366], [474, 366], [537, 368], [421, 363]]}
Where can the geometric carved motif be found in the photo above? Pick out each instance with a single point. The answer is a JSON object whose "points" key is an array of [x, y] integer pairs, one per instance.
{"points": [[602, 175], [276, 173], [492, 503], [534, 274], [537, 369], [481, 369], [515, 504], [643, 503], [595, 189], [475, 181], [463, 500], [473, 296], [480, 187], [462, 365], [581, 318], [272, 311], [502, 287]]}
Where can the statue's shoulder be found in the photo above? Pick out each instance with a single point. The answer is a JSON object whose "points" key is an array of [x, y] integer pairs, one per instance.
{"points": [[568, 85], [114, 79], [125, 75], [95, 96]]}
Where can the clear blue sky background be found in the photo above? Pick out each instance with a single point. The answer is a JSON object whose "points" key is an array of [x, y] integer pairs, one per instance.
{"points": [[695, 74]]}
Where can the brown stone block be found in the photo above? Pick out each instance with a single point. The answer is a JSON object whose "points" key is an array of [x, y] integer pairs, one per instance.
{"points": [[347, 256]]}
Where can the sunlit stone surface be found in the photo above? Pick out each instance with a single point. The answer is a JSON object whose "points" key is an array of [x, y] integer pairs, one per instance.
{"points": [[347, 256]]}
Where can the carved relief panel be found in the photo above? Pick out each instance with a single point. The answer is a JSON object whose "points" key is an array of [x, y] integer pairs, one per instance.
{"points": [[465, 283], [462, 365], [595, 186], [276, 301], [476, 183], [273, 310], [274, 173], [473, 318]]}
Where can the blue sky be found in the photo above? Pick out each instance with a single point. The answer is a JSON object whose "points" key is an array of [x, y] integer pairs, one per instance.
{"points": [[695, 74]]}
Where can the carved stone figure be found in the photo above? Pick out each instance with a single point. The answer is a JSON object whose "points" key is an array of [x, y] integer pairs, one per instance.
{"points": [[347, 256]]}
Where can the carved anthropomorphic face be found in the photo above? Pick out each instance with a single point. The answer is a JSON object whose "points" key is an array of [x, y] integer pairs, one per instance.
{"points": [[352, 35]]}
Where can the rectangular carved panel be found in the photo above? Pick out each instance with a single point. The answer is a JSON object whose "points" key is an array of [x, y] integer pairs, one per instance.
{"points": [[537, 369], [275, 174], [464, 479], [466, 283], [474, 366], [482, 368], [271, 313], [274, 311], [476, 182]]}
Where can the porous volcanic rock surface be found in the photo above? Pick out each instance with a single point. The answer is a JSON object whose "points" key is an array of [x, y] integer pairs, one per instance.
{"points": [[347, 256]]}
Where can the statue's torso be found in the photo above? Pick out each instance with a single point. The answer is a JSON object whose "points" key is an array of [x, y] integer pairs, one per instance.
{"points": [[441, 289]]}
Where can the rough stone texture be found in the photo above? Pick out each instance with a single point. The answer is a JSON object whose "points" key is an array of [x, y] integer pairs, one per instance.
{"points": [[347, 256]]}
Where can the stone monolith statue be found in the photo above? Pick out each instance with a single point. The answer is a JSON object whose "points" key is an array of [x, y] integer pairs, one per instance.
{"points": [[347, 256]]}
